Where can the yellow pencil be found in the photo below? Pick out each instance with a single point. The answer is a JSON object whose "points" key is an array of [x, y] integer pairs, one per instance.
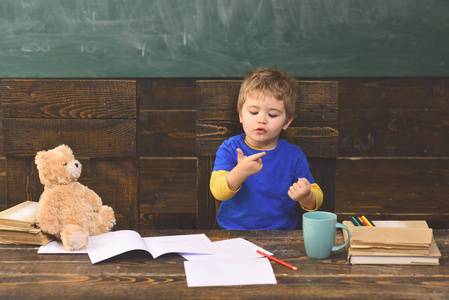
{"points": [[365, 220]]}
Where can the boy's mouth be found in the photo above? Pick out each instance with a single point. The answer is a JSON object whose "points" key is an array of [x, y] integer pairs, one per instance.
{"points": [[260, 130]]}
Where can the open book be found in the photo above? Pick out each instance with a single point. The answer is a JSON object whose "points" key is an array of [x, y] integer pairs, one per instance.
{"points": [[110, 244]]}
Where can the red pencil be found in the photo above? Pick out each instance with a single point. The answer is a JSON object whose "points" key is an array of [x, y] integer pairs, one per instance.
{"points": [[278, 260]]}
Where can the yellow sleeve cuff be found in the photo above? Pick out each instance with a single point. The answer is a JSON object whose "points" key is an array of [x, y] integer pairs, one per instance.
{"points": [[219, 186], [315, 188]]}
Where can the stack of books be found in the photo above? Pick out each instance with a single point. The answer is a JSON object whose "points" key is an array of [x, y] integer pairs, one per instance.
{"points": [[18, 225], [392, 242]]}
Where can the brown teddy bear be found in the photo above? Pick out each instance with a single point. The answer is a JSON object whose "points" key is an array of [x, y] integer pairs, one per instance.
{"points": [[67, 209]]}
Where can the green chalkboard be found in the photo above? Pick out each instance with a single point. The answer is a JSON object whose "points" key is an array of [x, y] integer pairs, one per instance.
{"points": [[222, 38]]}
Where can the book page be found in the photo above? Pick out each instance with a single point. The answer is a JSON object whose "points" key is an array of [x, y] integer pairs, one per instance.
{"points": [[113, 243], [188, 243], [229, 272], [22, 212], [236, 248]]}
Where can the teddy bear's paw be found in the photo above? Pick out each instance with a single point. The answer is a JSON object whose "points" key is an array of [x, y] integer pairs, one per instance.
{"points": [[74, 238], [105, 221]]}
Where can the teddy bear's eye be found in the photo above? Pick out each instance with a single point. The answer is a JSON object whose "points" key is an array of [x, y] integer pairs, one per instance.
{"points": [[64, 164]]}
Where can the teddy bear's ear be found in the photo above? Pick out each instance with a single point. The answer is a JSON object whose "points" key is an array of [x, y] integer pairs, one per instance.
{"points": [[65, 149], [41, 156]]}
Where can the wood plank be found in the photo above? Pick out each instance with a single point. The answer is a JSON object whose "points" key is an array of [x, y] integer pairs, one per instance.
{"points": [[317, 100], [166, 177], [146, 216], [409, 188], [394, 132], [2, 183], [168, 186], [116, 182], [393, 93], [207, 205], [167, 133], [175, 213], [68, 99], [314, 139], [22, 180], [25, 137], [166, 93], [324, 172]]}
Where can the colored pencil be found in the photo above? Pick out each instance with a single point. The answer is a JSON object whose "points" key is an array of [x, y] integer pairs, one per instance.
{"points": [[278, 260], [355, 221], [369, 221], [361, 221]]}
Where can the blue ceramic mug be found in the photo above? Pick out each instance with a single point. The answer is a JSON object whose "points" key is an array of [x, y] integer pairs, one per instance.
{"points": [[319, 233]]}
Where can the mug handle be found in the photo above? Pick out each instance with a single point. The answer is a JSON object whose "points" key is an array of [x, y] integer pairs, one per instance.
{"points": [[339, 225]]}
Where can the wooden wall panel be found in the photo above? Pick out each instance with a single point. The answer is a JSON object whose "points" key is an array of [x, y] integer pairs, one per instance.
{"points": [[167, 150], [393, 93], [87, 138], [394, 188], [2, 183], [394, 132], [394, 117], [397, 177], [168, 188], [167, 133], [120, 192], [69, 99], [22, 180], [167, 93]]}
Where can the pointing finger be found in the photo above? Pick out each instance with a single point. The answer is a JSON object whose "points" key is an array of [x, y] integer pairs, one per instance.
{"points": [[257, 155]]}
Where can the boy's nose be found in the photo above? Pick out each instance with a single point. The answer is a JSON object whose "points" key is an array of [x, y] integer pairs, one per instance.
{"points": [[261, 120]]}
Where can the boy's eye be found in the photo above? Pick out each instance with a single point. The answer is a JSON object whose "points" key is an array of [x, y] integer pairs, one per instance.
{"points": [[272, 115], [253, 112]]}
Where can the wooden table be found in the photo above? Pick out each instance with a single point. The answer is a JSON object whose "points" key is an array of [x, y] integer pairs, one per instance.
{"points": [[136, 275]]}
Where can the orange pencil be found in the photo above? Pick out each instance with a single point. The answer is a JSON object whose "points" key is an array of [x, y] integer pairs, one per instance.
{"points": [[365, 220], [278, 260]]}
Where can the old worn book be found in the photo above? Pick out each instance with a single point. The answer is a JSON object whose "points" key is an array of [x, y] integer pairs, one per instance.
{"points": [[18, 225], [25, 237], [22, 215], [392, 242], [399, 257]]}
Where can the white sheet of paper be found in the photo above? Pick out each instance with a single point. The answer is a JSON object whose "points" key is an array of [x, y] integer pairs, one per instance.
{"points": [[229, 272], [188, 243], [236, 248], [56, 247]]}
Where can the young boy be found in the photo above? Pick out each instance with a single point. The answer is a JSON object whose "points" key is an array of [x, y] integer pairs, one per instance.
{"points": [[258, 176]]}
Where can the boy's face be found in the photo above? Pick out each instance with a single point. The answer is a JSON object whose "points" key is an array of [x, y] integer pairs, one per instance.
{"points": [[263, 118]]}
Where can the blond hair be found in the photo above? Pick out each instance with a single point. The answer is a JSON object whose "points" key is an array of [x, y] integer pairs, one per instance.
{"points": [[269, 82]]}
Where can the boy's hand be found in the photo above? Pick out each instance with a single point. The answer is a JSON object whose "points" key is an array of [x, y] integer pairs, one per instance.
{"points": [[249, 164], [301, 191], [246, 166]]}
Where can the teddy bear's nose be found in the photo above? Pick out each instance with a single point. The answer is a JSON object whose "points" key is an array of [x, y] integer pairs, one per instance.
{"points": [[76, 165]]}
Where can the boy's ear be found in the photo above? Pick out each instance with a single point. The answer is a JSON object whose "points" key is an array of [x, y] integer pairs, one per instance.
{"points": [[287, 123], [240, 117]]}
